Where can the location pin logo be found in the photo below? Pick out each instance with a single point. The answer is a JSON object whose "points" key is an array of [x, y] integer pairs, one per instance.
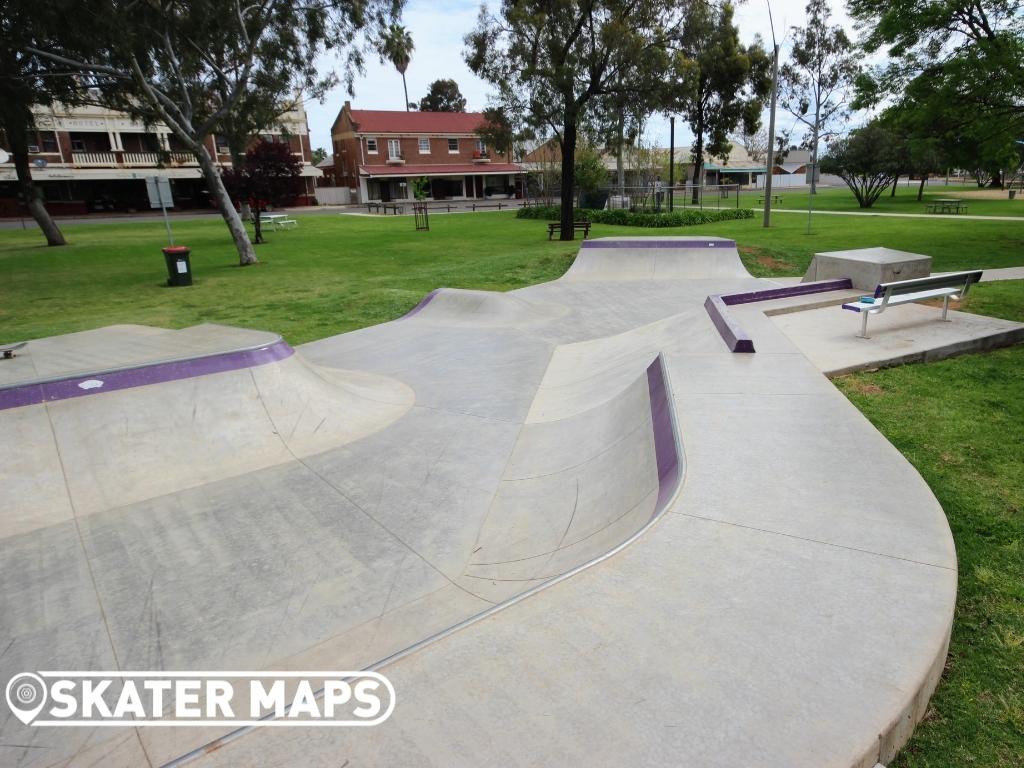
{"points": [[26, 695]]}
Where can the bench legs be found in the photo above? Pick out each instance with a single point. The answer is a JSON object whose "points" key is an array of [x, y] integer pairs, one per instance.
{"points": [[864, 326], [945, 309]]}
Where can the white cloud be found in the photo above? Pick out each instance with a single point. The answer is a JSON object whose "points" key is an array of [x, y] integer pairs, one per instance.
{"points": [[438, 30]]}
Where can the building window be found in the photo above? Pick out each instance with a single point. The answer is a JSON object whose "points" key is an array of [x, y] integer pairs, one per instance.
{"points": [[394, 149], [371, 146], [77, 145], [424, 146], [222, 145], [481, 147], [49, 141], [453, 145]]}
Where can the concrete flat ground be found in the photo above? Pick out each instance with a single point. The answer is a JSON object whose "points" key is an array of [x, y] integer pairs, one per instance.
{"points": [[655, 552]]}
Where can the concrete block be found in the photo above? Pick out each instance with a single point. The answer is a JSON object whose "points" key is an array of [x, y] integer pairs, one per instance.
{"points": [[867, 267]]}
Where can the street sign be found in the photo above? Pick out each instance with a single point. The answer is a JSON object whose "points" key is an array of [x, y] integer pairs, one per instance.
{"points": [[159, 190]]}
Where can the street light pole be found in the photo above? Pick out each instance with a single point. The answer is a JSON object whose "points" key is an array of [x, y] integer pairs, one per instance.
{"points": [[671, 161], [771, 126]]}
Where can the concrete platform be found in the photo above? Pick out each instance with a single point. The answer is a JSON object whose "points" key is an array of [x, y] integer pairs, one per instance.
{"points": [[867, 267], [562, 520], [907, 333]]}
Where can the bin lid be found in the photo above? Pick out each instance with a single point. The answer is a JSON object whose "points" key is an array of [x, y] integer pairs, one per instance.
{"points": [[173, 250]]}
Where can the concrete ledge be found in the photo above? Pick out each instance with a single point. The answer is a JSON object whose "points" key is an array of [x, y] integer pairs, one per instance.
{"points": [[732, 333]]}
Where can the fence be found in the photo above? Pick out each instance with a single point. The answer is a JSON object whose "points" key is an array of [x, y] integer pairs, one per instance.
{"points": [[651, 199], [333, 195]]}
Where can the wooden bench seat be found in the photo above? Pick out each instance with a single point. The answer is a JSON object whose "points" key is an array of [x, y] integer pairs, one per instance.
{"points": [[556, 226]]}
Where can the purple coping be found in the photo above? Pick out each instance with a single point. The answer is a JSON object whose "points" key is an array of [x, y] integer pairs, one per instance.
{"points": [[842, 284], [423, 302], [665, 445], [157, 373], [733, 334], [654, 243]]}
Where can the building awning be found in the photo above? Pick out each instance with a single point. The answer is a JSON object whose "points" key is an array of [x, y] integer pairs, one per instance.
{"points": [[736, 168], [467, 169]]}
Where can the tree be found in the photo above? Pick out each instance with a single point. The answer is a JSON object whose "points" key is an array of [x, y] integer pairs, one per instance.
{"points": [[27, 83], [319, 155], [550, 60], [396, 46], [268, 177], [815, 85], [443, 96], [721, 83], [958, 61], [755, 144], [209, 65], [866, 160]]}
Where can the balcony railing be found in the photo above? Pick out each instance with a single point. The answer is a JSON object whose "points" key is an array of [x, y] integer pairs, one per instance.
{"points": [[396, 159], [94, 158], [481, 157], [140, 158], [183, 158]]}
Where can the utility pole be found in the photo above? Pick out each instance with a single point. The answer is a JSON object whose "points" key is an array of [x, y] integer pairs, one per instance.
{"points": [[671, 160], [771, 128]]}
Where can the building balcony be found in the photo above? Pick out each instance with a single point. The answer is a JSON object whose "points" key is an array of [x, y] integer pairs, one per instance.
{"points": [[140, 159], [94, 159], [398, 159], [481, 157]]}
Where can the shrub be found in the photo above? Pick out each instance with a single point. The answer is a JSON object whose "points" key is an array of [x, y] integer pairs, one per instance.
{"points": [[687, 217]]}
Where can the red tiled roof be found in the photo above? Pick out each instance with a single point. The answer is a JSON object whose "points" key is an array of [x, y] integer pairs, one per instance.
{"points": [[385, 121], [439, 169]]}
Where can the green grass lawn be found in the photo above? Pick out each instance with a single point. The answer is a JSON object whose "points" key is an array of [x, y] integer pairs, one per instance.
{"points": [[840, 198], [959, 421], [336, 273]]}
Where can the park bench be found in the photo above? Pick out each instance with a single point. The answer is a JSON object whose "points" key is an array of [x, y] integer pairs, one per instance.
{"points": [[946, 206], [776, 200], [383, 207], [489, 205], [583, 226], [278, 221], [951, 286]]}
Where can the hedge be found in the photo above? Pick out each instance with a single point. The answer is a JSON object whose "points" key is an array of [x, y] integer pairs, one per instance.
{"points": [[686, 217]]}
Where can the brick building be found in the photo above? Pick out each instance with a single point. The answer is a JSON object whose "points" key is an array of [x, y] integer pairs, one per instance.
{"points": [[93, 159], [379, 155]]}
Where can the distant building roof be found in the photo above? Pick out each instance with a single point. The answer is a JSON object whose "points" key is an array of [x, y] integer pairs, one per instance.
{"points": [[327, 162], [393, 121]]}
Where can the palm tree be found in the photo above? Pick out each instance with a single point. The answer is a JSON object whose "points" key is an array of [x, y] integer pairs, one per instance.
{"points": [[397, 47]]}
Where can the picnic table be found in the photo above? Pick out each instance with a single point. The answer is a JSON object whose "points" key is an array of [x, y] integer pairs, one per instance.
{"points": [[278, 220], [946, 205], [776, 200]]}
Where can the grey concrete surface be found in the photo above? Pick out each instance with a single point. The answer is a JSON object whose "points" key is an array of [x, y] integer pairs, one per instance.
{"points": [[474, 449], [867, 267], [906, 333]]}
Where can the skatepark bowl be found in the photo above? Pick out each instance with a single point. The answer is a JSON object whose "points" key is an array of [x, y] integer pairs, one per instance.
{"points": [[567, 522]]}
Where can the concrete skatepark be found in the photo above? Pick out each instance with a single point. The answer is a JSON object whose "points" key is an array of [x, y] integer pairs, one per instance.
{"points": [[568, 522]]}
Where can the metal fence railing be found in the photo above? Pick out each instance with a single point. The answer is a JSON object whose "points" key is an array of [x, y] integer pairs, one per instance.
{"points": [[662, 199]]}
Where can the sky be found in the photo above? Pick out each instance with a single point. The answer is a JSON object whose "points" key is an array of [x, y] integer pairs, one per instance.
{"points": [[438, 29]]}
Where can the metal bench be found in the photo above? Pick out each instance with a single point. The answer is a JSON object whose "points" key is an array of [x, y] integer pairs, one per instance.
{"points": [[555, 226], [952, 286]]}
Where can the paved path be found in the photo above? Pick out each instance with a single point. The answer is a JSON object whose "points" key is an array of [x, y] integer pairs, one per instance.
{"points": [[654, 551], [952, 217]]}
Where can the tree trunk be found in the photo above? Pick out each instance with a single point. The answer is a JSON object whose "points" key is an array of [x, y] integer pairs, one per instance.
{"points": [[405, 90], [257, 223], [568, 175], [33, 200], [238, 164], [246, 253], [920, 189], [814, 152], [620, 169], [698, 153], [895, 182]]}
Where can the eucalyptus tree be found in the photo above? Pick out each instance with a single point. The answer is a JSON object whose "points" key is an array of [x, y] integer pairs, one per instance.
{"points": [[443, 96], [958, 61], [816, 85], [201, 66], [719, 84], [551, 62]]}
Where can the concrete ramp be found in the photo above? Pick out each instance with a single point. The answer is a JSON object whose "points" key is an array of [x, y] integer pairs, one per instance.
{"points": [[454, 307], [578, 487], [142, 432], [657, 258]]}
